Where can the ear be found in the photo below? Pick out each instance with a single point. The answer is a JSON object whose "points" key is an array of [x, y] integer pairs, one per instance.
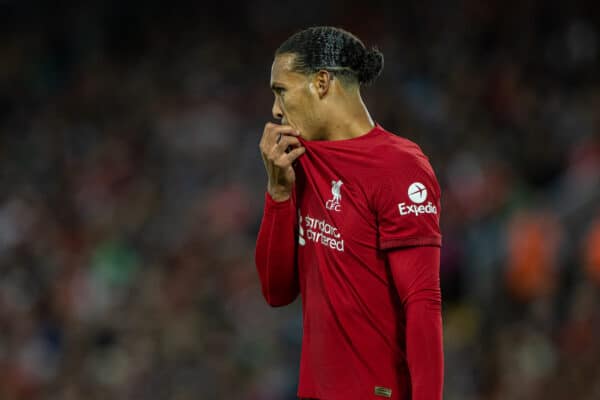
{"points": [[322, 82]]}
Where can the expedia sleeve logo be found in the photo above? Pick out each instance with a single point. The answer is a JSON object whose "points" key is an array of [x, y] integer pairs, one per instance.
{"points": [[417, 193]]}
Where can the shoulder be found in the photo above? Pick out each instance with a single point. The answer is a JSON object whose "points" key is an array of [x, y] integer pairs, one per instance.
{"points": [[399, 156], [402, 171]]}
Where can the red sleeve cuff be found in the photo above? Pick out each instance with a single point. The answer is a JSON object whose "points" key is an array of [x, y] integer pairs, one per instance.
{"points": [[271, 204], [394, 243]]}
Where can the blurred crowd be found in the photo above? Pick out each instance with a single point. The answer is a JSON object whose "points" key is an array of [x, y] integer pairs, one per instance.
{"points": [[132, 189]]}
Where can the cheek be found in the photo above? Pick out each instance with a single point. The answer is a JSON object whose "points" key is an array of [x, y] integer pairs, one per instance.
{"points": [[283, 103], [310, 109], [297, 105], [289, 105]]}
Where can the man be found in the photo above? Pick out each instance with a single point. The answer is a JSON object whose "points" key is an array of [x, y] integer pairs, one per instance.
{"points": [[351, 222]]}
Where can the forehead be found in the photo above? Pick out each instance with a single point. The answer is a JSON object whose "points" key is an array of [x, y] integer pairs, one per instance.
{"points": [[282, 70]]}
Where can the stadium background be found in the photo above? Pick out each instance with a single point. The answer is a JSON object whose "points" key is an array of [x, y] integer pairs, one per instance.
{"points": [[131, 191]]}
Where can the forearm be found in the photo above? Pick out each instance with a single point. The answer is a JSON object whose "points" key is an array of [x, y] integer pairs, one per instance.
{"points": [[424, 349], [416, 275], [276, 252]]}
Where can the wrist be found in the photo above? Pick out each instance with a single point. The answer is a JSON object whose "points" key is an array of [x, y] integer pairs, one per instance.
{"points": [[279, 194]]}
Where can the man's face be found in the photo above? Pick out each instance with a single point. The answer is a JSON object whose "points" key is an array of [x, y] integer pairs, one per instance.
{"points": [[295, 97]]}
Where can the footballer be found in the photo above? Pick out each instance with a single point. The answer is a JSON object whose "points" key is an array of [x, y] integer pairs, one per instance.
{"points": [[351, 224]]}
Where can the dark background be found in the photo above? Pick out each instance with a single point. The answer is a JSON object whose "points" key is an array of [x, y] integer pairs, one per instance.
{"points": [[131, 192]]}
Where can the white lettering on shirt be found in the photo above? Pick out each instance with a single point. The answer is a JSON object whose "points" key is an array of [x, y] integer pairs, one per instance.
{"points": [[320, 231], [406, 209]]}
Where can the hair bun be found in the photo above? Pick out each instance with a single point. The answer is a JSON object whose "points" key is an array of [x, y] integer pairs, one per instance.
{"points": [[371, 66]]}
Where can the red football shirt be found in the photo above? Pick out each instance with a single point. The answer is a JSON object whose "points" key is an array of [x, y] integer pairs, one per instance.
{"points": [[357, 198]]}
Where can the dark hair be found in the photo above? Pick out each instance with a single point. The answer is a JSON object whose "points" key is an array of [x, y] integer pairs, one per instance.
{"points": [[335, 50]]}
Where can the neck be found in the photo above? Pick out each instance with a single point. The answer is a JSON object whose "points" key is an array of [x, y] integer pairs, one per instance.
{"points": [[348, 120]]}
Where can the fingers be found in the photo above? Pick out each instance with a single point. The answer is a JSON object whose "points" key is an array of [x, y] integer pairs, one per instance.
{"points": [[274, 134], [284, 143], [286, 159], [275, 129], [280, 147]]}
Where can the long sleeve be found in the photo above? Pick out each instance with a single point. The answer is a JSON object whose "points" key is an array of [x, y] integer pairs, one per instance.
{"points": [[415, 271], [275, 254]]}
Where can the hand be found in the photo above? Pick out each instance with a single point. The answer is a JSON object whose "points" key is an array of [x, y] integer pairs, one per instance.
{"points": [[280, 147]]}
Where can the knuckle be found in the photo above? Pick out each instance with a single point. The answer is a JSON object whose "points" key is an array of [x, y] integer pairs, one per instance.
{"points": [[281, 163], [298, 153], [270, 127]]}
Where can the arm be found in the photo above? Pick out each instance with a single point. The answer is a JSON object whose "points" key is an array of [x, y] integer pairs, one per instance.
{"points": [[415, 271], [276, 245], [276, 252]]}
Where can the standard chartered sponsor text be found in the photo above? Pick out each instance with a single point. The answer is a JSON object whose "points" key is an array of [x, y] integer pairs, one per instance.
{"points": [[319, 231]]}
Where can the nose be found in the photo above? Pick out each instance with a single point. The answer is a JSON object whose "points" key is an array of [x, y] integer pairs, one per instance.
{"points": [[276, 110]]}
